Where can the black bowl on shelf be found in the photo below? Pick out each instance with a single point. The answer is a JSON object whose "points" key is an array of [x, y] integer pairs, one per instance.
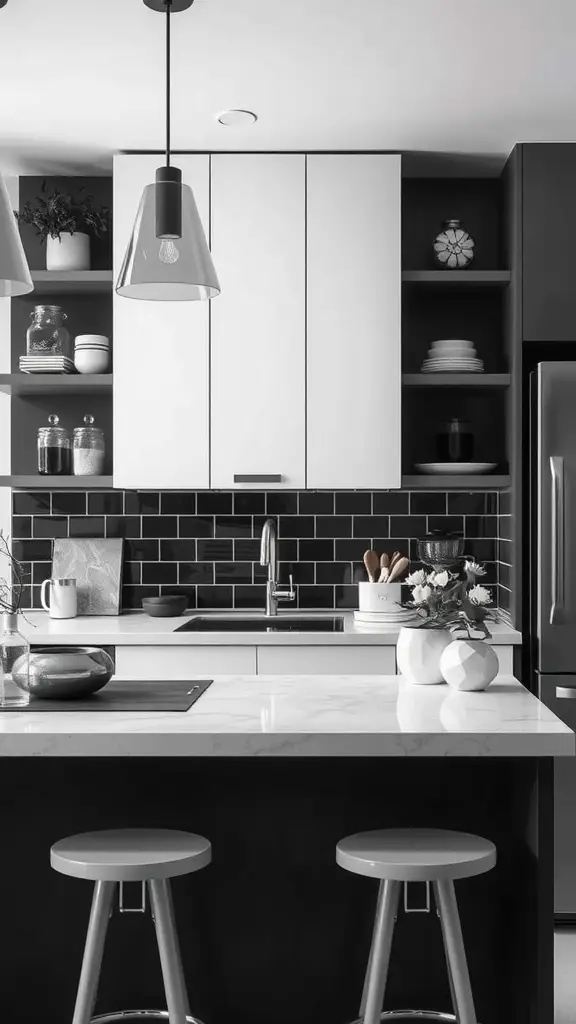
{"points": [[164, 607]]}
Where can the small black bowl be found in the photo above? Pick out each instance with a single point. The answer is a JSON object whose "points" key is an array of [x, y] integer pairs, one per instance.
{"points": [[164, 607]]}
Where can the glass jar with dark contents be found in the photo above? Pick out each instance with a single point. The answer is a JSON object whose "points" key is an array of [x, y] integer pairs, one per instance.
{"points": [[54, 449]]}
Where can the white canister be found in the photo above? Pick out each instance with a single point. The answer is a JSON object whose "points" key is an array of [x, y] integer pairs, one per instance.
{"points": [[69, 252], [63, 602], [379, 597], [418, 653]]}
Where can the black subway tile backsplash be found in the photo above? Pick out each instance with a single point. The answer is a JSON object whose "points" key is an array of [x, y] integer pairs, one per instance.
{"points": [[206, 545]]}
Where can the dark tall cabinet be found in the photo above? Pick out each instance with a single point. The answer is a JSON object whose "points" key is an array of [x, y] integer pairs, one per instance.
{"points": [[548, 241]]}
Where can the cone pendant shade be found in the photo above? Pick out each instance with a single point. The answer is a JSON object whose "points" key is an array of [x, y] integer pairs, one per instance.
{"points": [[15, 276], [168, 268]]}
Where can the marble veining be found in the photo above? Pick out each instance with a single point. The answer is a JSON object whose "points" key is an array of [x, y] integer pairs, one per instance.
{"points": [[307, 716]]}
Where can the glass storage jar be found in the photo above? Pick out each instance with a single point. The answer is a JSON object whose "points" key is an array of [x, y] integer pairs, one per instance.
{"points": [[47, 335], [54, 449], [88, 449], [14, 655]]}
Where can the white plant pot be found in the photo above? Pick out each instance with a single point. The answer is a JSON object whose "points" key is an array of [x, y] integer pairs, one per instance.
{"points": [[418, 653], [469, 664], [69, 252], [379, 597]]}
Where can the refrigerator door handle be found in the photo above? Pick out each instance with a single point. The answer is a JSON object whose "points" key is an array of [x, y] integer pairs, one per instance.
{"points": [[557, 471]]}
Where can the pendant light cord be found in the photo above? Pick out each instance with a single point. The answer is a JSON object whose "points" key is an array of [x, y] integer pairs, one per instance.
{"points": [[168, 9]]}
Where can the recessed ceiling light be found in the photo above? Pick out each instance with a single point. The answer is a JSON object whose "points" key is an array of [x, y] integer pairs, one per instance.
{"points": [[236, 118]]}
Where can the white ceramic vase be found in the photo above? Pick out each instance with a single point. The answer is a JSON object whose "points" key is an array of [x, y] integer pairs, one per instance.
{"points": [[418, 654], [469, 664], [69, 252]]}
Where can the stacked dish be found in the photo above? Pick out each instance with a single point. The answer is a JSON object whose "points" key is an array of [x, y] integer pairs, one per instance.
{"points": [[46, 364], [92, 353], [452, 356]]}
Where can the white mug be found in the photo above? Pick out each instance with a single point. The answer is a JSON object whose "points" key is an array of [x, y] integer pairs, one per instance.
{"points": [[63, 598]]}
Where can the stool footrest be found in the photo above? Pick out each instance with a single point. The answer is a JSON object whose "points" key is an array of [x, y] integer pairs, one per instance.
{"points": [[436, 1015], [134, 1016]]}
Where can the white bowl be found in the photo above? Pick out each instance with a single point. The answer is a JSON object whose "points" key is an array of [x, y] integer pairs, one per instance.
{"points": [[91, 339], [91, 360]]}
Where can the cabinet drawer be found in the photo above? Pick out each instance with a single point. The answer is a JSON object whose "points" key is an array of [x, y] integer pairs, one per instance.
{"points": [[183, 662], [331, 660]]}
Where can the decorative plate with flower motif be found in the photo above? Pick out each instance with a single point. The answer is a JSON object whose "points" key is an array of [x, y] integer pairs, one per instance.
{"points": [[454, 247]]}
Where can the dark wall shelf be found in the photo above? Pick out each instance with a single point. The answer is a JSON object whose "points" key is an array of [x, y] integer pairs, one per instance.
{"points": [[449, 278], [32, 481], [54, 383], [455, 482], [455, 380], [82, 282]]}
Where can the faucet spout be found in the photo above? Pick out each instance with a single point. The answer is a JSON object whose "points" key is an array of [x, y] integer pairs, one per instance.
{"points": [[269, 557]]}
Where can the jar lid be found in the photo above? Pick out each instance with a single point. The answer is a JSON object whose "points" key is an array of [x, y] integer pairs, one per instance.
{"points": [[88, 430], [53, 310], [53, 430]]}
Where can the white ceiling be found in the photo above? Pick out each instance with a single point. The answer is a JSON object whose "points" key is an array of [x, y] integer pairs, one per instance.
{"points": [[82, 79]]}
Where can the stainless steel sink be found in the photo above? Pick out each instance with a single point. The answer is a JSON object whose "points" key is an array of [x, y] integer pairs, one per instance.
{"points": [[262, 624]]}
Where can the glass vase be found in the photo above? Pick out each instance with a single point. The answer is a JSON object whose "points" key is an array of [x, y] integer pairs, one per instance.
{"points": [[14, 649]]}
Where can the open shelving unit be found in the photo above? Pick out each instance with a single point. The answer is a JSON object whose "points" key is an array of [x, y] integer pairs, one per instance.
{"points": [[86, 298], [439, 303]]}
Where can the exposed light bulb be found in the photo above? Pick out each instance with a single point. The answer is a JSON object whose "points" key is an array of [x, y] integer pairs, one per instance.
{"points": [[168, 251]]}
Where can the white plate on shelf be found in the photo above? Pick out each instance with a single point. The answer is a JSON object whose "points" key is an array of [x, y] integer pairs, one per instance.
{"points": [[454, 468], [384, 618]]}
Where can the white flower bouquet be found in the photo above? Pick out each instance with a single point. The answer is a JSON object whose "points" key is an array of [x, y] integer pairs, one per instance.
{"points": [[446, 601]]}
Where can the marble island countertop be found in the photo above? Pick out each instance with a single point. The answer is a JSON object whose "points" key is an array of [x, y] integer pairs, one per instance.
{"points": [[136, 628], [305, 716]]}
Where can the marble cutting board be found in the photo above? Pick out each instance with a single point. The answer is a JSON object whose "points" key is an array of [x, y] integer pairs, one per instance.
{"points": [[96, 565]]}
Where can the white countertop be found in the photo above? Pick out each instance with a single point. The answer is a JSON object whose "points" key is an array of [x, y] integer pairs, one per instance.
{"points": [[136, 628], [306, 716]]}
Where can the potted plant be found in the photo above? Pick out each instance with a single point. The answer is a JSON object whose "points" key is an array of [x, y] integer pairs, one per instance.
{"points": [[63, 222], [446, 604]]}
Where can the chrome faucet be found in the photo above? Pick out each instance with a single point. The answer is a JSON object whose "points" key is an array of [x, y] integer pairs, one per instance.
{"points": [[269, 557]]}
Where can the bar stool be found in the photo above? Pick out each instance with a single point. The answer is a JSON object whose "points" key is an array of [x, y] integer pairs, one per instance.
{"points": [[111, 858], [433, 856]]}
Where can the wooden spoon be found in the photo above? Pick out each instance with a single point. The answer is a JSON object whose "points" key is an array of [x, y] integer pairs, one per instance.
{"points": [[399, 569], [393, 559], [384, 568], [372, 564]]}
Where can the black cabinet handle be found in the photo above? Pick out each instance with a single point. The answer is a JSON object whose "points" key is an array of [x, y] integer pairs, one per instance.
{"points": [[257, 478]]}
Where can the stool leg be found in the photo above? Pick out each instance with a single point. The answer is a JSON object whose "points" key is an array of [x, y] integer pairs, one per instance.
{"points": [[380, 952], [169, 950], [455, 953], [93, 951], [369, 965]]}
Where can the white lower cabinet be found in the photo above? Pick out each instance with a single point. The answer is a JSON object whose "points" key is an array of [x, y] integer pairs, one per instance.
{"points": [[353, 660], [184, 662]]}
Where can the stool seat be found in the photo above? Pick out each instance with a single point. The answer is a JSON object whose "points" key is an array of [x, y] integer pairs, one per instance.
{"points": [[413, 855], [130, 855]]}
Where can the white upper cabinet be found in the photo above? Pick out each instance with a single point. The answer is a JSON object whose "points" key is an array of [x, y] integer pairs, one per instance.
{"points": [[353, 321], [161, 378], [258, 328]]}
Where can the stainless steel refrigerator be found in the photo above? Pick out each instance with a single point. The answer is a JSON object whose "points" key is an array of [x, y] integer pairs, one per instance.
{"points": [[553, 441]]}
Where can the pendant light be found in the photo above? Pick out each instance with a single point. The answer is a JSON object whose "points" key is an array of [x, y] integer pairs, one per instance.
{"points": [[15, 276], [168, 256]]}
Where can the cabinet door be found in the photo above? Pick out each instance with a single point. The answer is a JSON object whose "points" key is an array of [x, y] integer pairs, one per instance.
{"points": [[334, 661], [258, 321], [182, 662], [353, 326], [549, 230], [161, 401]]}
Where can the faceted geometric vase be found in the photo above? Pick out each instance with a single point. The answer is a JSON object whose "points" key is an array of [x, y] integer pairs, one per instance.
{"points": [[418, 654], [469, 664]]}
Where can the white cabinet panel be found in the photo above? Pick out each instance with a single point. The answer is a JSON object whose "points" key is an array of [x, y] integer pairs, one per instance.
{"points": [[315, 660], [353, 321], [258, 321], [160, 351], [147, 662]]}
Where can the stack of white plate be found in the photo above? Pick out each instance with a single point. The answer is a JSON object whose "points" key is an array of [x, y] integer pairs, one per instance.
{"points": [[386, 618], [46, 364], [452, 356]]}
